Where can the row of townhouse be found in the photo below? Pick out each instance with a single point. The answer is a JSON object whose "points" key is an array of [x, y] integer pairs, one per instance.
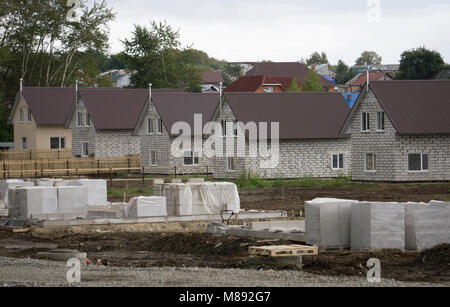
{"points": [[397, 130]]}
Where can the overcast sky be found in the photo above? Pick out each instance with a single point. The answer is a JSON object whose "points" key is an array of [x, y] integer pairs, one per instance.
{"points": [[288, 30]]}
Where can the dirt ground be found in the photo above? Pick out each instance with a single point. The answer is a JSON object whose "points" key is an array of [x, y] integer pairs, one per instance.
{"points": [[204, 250]]}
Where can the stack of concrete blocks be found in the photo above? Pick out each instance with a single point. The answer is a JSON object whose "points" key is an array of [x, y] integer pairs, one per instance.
{"points": [[214, 197], [29, 201], [96, 190], [141, 207], [8, 184], [328, 222], [376, 225], [158, 187], [45, 182], [179, 199], [426, 225], [73, 200], [199, 207]]}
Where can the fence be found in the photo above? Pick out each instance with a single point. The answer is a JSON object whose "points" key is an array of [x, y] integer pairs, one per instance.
{"points": [[69, 167], [177, 170], [35, 155]]}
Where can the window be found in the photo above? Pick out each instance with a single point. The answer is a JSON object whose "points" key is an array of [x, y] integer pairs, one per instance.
{"points": [[269, 89], [191, 158], [380, 121], [417, 162], [153, 158], [57, 143], [21, 115], [160, 126], [79, 119], [150, 126], [235, 125], [24, 143], [338, 161], [29, 116], [85, 150], [224, 128], [231, 164], [365, 122], [88, 120], [371, 163]]}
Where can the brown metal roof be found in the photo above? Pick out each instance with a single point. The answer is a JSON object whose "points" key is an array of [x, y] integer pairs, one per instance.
{"points": [[415, 107], [182, 107], [284, 69], [212, 76], [301, 115], [118, 109], [252, 83], [49, 106]]}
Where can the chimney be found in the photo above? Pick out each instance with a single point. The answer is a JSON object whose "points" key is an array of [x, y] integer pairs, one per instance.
{"points": [[76, 91], [21, 85]]}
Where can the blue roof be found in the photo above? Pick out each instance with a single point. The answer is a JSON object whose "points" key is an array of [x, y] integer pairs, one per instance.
{"points": [[351, 98], [329, 79]]}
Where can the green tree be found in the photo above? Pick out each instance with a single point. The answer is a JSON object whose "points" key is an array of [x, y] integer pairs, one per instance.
{"points": [[343, 73], [294, 87], [6, 130], [369, 58], [317, 59], [312, 83], [420, 63]]}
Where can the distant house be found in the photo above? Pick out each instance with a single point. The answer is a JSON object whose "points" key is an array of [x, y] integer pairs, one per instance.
{"points": [[400, 131], [391, 68], [323, 70], [357, 84], [120, 78], [38, 116], [295, 70], [261, 84], [211, 81]]}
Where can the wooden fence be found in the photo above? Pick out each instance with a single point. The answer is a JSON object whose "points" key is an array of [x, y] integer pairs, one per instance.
{"points": [[68, 167], [35, 155]]}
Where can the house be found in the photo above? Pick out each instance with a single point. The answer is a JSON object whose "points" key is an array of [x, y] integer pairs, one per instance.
{"points": [[357, 84], [295, 70], [120, 78], [391, 68], [310, 143], [400, 131], [323, 70], [261, 84], [38, 116], [211, 81]]}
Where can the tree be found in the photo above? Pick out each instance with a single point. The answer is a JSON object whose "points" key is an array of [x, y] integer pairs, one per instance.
{"points": [[420, 63], [6, 130], [294, 87], [369, 58], [317, 59], [312, 83], [343, 73]]}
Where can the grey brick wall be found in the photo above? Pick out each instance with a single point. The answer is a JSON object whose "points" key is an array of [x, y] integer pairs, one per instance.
{"points": [[81, 134], [392, 149], [116, 143]]}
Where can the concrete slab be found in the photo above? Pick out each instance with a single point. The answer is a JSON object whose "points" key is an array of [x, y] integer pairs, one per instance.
{"points": [[73, 199], [238, 231], [285, 226]]}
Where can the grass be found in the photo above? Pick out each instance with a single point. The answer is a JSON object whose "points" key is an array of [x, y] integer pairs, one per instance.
{"points": [[119, 192], [250, 181]]}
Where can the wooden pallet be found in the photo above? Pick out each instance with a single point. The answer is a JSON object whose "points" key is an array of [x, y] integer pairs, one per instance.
{"points": [[283, 251], [334, 248], [14, 229]]}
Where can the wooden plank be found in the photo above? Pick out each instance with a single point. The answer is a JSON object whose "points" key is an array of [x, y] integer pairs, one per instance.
{"points": [[283, 250], [16, 230]]}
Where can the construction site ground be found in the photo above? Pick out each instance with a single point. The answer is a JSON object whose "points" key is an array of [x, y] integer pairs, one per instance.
{"points": [[186, 245]]}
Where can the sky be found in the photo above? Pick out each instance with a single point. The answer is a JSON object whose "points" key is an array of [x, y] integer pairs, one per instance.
{"points": [[289, 30]]}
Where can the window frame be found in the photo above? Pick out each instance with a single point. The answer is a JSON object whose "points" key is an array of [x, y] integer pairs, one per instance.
{"points": [[365, 118], [87, 149], [28, 115], [87, 118], [374, 163], [231, 169], [155, 162], [80, 119], [269, 89], [340, 166], [194, 156], [24, 140], [150, 126], [21, 117], [224, 128], [381, 116], [160, 126], [60, 141], [422, 170]]}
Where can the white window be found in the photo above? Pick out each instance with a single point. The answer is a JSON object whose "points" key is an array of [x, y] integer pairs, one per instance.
{"points": [[235, 126], [417, 162], [88, 120], [21, 115], [85, 150], [29, 116], [338, 161], [153, 158], [24, 143], [371, 162], [380, 121], [224, 127], [80, 119], [160, 126], [231, 164], [365, 122], [57, 143], [191, 158], [150, 126], [269, 89]]}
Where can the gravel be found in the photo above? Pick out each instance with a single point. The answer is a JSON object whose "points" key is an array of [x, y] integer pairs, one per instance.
{"points": [[41, 273]]}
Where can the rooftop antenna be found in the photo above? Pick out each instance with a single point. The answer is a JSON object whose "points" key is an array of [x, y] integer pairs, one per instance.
{"points": [[221, 89], [368, 75], [150, 92], [76, 91]]}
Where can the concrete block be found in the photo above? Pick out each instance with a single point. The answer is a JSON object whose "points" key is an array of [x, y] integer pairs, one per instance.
{"points": [[328, 222], [178, 199], [96, 190], [25, 202], [196, 180], [376, 225], [426, 225], [73, 199], [176, 180], [157, 181], [147, 207], [6, 185]]}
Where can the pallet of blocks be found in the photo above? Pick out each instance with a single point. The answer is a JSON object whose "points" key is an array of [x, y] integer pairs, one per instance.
{"points": [[283, 251]]}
